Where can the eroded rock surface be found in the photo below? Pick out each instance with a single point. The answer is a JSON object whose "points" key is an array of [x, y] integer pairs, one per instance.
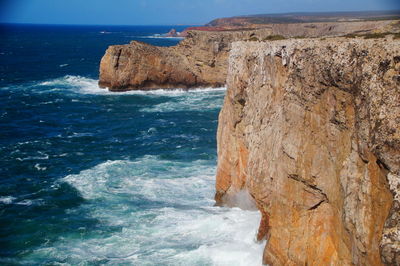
{"points": [[201, 60], [198, 61], [310, 128]]}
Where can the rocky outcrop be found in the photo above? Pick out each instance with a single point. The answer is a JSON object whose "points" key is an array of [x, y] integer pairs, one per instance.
{"points": [[142, 66], [310, 128], [198, 61], [201, 59]]}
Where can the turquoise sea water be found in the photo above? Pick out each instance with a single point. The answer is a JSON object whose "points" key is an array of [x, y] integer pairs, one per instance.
{"points": [[89, 177]]}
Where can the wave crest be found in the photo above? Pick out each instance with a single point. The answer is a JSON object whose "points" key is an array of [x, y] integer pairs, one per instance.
{"points": [[90, 86], [164, 213]]}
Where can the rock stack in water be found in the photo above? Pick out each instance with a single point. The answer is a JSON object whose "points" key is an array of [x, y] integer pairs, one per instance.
{"points": [[198, 61]]}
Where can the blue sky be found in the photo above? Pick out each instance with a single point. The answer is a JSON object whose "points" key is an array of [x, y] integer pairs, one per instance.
{"points": [[158, 12]]}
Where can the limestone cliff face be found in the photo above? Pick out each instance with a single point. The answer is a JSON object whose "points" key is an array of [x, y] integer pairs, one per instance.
{"points": [[311, 128], [201, 60], [198, 61]]}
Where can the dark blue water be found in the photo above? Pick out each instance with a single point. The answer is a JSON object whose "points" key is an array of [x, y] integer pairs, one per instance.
{"points": [[91, 177]]}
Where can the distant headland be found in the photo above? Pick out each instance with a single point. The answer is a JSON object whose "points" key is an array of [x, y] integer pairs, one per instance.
{"points": [[251, 22]]}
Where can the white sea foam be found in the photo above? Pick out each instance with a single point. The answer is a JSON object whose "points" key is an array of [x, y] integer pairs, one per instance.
{"points": [[193, 100], [45, 157], [79, 135], [78, 83], [160, 37], [25, 202], [40, 168], [165, 215], [7, 199], [90, 86]]}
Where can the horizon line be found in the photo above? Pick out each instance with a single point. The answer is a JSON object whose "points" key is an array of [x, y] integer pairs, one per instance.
{"points": [[76, 24], [396, 11]]}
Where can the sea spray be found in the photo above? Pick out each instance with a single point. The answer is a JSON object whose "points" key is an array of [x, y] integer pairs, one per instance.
{"points": [[160, 211]]}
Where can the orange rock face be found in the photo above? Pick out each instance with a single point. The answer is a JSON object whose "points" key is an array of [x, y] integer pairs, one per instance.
{"points": [[310, 128], [198, 61], [201, 60], [143, 66]]}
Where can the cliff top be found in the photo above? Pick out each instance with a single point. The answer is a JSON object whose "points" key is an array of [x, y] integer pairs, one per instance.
{"points": [[256, 21], [367, 29]]}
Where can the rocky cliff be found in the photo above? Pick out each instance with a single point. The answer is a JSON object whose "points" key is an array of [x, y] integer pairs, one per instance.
{"points": [[201, 60], [258, 21], [311, 129], [198, 61]]}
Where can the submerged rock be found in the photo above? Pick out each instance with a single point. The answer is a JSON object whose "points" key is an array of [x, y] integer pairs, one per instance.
{"points": [[310, 128]]}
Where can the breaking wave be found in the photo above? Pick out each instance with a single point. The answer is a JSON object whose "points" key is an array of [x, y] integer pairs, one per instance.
{"points": [[84, 85], [199, 99], [161, 211]]}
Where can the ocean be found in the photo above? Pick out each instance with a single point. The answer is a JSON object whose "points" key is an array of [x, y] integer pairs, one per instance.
{"points": [[90, 177]]}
